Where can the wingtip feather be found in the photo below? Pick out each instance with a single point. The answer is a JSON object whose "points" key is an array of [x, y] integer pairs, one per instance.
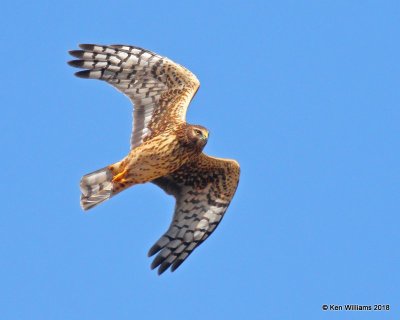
{"points": [[156, 262], [76, 53], [153, 250], [163, 267], [176, 264], [85, 74], [76, 63], [87, 46]]}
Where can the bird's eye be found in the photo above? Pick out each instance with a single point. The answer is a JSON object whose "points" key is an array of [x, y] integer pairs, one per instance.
{"points": [[198, 132]]}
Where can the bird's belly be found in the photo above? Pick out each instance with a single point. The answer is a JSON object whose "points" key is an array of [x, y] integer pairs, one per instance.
{"points": [[155, 159]]}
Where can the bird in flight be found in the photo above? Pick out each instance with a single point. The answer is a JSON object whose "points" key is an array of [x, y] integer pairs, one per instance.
{"points": [[165, 149]]}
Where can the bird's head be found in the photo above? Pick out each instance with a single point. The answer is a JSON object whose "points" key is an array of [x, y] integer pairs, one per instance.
{"points": [[197, 135]]}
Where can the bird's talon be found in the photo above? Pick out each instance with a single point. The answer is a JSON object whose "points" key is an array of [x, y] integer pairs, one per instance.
{"points": [[119, 177]]}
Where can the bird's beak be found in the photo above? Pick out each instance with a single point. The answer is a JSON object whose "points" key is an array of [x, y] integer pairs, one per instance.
{"points": [[206, 136]]}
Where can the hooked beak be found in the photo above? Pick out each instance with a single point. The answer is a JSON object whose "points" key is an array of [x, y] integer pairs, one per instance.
{"points": [[205, 136]]}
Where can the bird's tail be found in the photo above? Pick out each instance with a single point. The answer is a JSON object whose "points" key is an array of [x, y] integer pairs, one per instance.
{"points": [[96, 187]]}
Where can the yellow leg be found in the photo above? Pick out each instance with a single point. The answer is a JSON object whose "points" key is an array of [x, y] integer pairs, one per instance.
{"points": [[120, 177]]}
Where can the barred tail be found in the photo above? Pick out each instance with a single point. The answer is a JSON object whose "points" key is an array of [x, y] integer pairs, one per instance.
{"points": [[96, 187]]}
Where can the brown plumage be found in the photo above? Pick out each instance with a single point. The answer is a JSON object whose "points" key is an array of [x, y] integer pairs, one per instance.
{"points": [[165, 149]]}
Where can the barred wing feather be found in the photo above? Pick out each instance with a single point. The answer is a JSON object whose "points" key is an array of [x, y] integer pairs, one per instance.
{"points": [[203, 190], [159, 88]]}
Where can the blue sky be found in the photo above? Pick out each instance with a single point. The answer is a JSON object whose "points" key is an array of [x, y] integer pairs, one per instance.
{"points": [[304, 94]]}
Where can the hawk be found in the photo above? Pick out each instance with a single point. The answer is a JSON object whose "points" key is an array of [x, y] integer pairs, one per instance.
{"points": [[165, 149]]}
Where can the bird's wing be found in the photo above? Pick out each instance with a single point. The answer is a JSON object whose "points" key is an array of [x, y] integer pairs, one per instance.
{"points": [[159, 88], [203, 190]]}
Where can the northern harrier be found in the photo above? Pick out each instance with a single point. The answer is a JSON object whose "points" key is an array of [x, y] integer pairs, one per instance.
{"points": [[165, 150]]}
